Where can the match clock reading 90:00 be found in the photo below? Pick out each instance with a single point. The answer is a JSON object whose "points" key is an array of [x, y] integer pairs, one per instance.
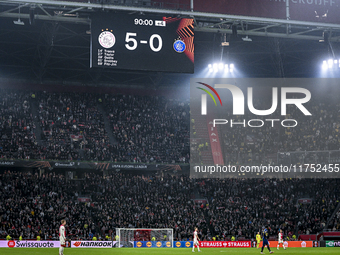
{"points": [[144, 22], [142, 42]]}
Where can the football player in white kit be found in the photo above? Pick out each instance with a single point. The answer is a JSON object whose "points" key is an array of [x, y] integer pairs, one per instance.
{"points": [[62, 237], [280, 237], [196, 239]]}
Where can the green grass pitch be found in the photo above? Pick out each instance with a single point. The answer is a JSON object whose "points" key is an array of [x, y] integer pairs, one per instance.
{"points": [[156, 251]]}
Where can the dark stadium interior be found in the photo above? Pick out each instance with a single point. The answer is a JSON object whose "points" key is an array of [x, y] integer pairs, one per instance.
{"points": [[51, 51], [122, 140]]}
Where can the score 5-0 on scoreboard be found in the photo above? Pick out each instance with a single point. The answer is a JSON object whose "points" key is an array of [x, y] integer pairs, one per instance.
{"points": [[142, 42]]}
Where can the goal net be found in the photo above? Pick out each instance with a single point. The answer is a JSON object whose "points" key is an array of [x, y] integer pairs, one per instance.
{"points": [[144, 237]]}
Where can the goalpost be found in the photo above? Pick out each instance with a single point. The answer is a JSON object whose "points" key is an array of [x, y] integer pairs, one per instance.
{"points": [[145, 237]]}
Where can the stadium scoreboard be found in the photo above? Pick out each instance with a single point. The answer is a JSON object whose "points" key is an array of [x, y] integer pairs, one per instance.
{"points": [[142, 42]]}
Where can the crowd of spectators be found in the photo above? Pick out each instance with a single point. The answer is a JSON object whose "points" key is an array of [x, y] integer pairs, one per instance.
{"points": [[70, 122], [149, 129], [17, 128], [313, 216], [32, 205], [242, 206], [147, 202], [72, 127], [319, 132]]}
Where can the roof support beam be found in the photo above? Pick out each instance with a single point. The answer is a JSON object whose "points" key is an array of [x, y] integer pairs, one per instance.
{"points": [[267, 34], [50, 18], [174, 12], [14, 9], [204, 22], [41, 8]]}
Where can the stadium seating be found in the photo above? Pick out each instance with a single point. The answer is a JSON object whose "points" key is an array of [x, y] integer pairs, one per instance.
{"points": [[32, 205], [145, 129]]}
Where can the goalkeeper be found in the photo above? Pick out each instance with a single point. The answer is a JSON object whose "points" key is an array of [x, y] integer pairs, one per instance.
{"points": [[258, 240]]}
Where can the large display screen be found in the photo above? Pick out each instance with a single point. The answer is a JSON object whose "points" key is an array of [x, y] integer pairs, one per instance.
{"points": [[142, 42]]}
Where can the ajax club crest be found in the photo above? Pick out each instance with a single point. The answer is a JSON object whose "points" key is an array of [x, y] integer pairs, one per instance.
{"points": [[107, 39]]}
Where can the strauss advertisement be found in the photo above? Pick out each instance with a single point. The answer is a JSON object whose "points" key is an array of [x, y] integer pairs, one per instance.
{"points": [[225, 244]]}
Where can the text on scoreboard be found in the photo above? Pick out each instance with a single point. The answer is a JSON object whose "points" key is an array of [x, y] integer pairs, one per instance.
{"points": [[142, 42]]}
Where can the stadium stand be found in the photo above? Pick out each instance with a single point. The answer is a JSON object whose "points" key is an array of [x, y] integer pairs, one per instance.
{"points": [[128, 133], [31, 204], [72, 122], [17, 129], [320, 133], [246, 205], [149, 129], [153, 130], [73, 128]]}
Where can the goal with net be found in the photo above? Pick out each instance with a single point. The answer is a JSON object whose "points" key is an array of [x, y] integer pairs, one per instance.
{"points": [[145, 237]]}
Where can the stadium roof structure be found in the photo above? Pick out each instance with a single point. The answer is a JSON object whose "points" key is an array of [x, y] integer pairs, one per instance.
{"points": [[49, 41]]}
